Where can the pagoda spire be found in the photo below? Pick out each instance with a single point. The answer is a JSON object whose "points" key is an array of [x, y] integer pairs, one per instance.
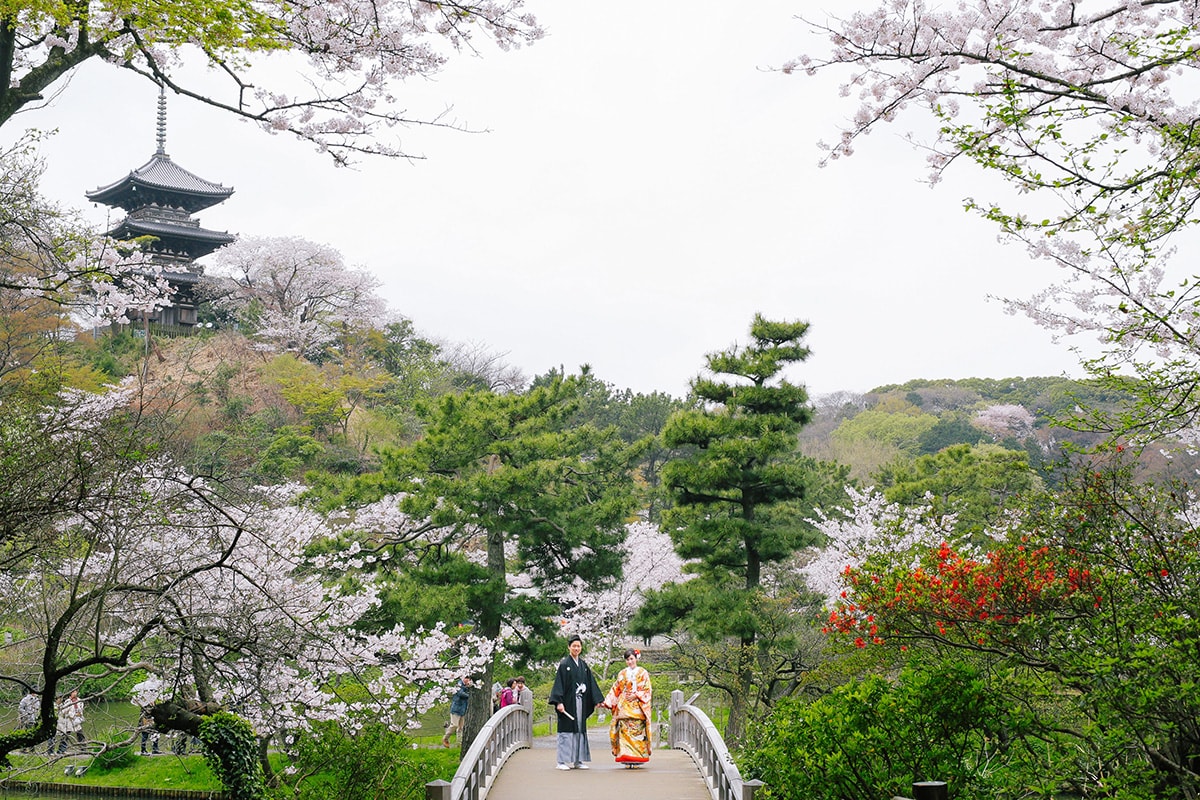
{"points": [[162, 120], [160, 198]]}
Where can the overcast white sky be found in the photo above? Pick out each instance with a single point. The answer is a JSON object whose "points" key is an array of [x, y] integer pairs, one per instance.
{"points": [[645, 185]]}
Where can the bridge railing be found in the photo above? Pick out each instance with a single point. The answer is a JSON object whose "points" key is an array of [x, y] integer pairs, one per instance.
{"points": [[508, 730], [692, 730]]}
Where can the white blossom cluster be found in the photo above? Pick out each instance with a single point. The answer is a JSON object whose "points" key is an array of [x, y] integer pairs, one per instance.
{"points": [[600, 616], [871, 525], [171, 564], [300, 294], [326, 72], [1005, 420]]}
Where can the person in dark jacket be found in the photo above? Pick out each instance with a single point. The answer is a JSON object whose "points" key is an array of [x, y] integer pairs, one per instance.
{"points": [[575, 696], [458, 710]]}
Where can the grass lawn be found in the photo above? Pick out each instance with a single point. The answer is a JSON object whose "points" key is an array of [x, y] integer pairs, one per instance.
{"points": [[160, 772], [177, 772], [190, 772]]}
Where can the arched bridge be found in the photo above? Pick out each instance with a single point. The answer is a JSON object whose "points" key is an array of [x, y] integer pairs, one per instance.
{"points": [[505, 763]]}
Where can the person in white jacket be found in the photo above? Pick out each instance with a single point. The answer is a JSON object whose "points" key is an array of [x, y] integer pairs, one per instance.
{"points": [[70, 721]]}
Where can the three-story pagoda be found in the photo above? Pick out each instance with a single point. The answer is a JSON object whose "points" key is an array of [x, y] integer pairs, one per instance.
{"points": [[159, 199]]}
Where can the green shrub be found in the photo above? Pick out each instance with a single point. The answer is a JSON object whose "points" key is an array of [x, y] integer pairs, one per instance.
{"points": [[114, 758], [370, 763], [874, 738], [231, 750]]}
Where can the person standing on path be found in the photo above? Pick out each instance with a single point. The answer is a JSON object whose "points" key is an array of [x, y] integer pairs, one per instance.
{"points": [[27, 710], [70, 721], [629, 701], [458, 710], [575, 696], [524, 694], [149, 734]]}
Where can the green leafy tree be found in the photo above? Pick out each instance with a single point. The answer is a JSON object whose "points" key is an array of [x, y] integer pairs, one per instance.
{"points": [[415, 373], [894, 421], [951, 428], [287, 452], [974, 483], [509, 474], [733, 499], [321, 407]]}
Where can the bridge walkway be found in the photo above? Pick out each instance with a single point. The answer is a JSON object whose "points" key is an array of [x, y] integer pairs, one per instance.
{"points": [[670, 775], [505, 762]]}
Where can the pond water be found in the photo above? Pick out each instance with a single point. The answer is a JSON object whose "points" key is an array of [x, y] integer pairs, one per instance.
{"points": [[100, 719]]}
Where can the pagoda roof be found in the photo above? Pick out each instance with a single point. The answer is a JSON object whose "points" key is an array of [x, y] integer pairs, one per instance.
{"points": [[160, 181], [176, 240]]}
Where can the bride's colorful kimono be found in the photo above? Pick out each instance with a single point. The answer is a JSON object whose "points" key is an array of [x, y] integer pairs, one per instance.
{"points": [[629, 731]]}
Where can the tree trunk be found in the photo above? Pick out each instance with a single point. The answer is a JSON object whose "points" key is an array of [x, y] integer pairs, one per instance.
{"points": [[478, 710], [739, 704], [200, 676], [8, 51], [490, 618], [170, 716], [269, 776]]}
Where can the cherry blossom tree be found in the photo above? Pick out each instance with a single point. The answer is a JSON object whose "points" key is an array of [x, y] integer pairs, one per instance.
{"points": [[601, 615], [1088, 110], [49, 253], [297, 294], [1077, 102], [1004, 420], [205, 586], [346, 56]]}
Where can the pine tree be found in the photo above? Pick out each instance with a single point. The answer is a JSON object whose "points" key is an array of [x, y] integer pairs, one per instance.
{"points": [[735, 498], [542, 494]]}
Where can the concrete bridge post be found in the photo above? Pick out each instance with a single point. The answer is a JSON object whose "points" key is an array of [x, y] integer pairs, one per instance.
{"points": [[437, 790], [676, 704]]}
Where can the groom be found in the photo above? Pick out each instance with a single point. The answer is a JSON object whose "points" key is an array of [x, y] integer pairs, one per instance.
{"points": [[575, 696]]}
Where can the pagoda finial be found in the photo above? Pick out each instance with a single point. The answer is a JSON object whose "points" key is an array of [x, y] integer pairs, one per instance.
{"points": [[162, 120]]}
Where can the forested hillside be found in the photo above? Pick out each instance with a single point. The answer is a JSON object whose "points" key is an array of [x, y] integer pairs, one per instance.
{"points": [[1047, 419]]}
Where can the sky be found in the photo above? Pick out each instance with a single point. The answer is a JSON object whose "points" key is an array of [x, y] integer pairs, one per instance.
{"points": [[637, 185]]}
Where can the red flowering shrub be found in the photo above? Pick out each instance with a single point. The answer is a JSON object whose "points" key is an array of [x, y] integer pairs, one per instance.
{"points": [[977, 600], [1085, 614]]}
